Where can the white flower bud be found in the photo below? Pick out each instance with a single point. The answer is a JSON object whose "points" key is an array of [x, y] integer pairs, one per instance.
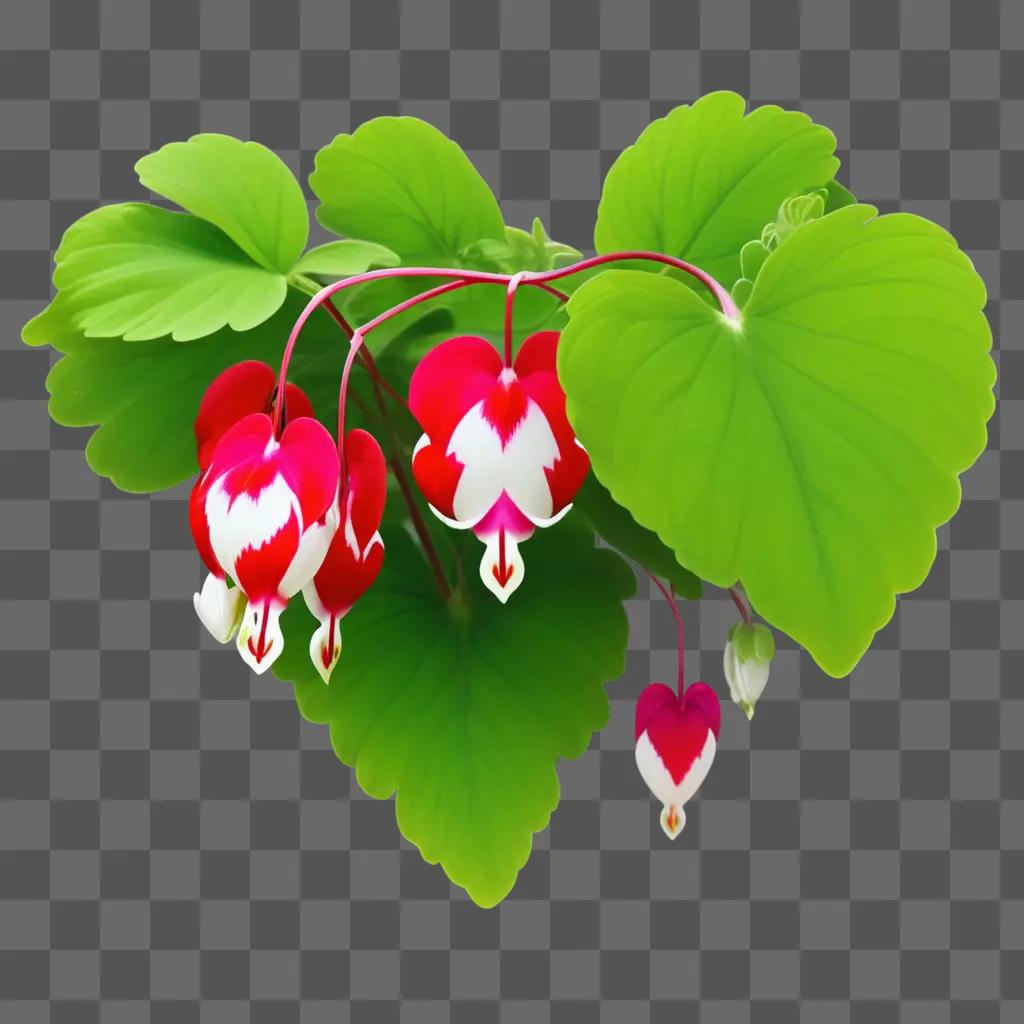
{"points": [[219, 607], [748, 659]]}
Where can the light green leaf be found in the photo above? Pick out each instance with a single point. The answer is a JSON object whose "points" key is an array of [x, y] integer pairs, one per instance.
{"points": [[810, 451], [622, 531], [838, 196], [143, 396], [139, 272], [463, 712], [400, 182], [243, 188], [344, 258], [702, 181]]}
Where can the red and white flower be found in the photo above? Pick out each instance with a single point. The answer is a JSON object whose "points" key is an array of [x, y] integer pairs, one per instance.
{"points": [[246, 387], [498, 455], [676, 740], [264, 512], [355, 555]]}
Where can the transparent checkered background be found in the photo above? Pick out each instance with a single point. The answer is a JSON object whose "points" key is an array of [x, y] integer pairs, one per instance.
{"points": [[177, 846]]}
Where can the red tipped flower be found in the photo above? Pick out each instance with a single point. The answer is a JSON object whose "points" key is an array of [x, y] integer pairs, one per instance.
{"points": [[265, 512], [244, 388], [676, 740], [497, 455], [356, 552]]}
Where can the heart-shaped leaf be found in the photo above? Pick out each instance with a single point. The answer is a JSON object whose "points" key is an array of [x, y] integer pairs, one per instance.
{"points": [[809, 450], [400, 182], [243, 188], [463, 710], [700, 182]]}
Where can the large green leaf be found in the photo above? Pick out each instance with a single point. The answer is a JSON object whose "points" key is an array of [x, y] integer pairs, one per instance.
{"points": [[400, 182], [463, 711], [143, 396], [700, 182], [243, 188], [622, 531], [811, 450], [137, 271]]}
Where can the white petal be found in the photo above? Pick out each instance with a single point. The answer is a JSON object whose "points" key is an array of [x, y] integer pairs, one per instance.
{"points": [[251, 630], [219, 607], [746, 679], [247, 522], [490, 566], [310, 554], [322, 652], [476, 444], [658, 779]]}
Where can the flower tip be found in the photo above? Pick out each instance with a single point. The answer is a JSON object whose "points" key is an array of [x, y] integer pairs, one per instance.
{"points": [[325, 648], [747, 707], [219, 608], [260, 639], [673, 820]]}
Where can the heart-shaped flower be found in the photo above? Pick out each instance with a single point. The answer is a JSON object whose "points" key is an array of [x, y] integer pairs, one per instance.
{"points": [[355, 555], [265, 511], [676, 740], [246, 387], [498, 455]]}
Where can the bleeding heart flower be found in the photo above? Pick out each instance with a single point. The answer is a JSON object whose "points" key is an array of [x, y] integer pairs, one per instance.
{"points": [[244, 388], [355, 555], [265, 512], [498, 455], [676, 740]]}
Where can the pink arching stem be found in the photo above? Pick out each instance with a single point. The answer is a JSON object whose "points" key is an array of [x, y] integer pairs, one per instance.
{"points": [[669, 594], [510, 301], [463, 277]]}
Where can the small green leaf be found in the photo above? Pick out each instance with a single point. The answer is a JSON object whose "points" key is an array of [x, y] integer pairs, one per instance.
{"points": [[345, 258], [752, 257], [702, 181], [143, 396], [463, 711], [838, 196], [243, 188], [139, 272], [400, 182], [810, 450], [764, 642], [623, 532]]}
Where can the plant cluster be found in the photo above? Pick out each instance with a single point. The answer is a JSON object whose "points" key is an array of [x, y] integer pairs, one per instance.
{"points": [[757, 383]]}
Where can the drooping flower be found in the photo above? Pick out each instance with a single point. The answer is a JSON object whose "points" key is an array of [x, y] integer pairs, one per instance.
{"points": [[355, 555], [265, 511], [247, 387], [748, 661], [498, 455], [676, 740]]}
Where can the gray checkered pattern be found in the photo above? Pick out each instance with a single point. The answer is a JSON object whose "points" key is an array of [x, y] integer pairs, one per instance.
{"points": [[176, 845]]}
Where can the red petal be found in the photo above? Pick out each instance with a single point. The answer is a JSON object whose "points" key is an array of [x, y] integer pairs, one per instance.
{"points": [[536, 365], [449, 381], [308, 460], [201, 528], [237, 392], [367, 482], [438, 476]]}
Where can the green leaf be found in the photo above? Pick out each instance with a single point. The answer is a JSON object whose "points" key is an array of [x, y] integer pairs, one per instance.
{"points": [[243, 188], [400, 182], [139, 272], [811, 450], [702, 181], [463, 711], [345, 258], [838, 196], [143, 396], [623, 532]]}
